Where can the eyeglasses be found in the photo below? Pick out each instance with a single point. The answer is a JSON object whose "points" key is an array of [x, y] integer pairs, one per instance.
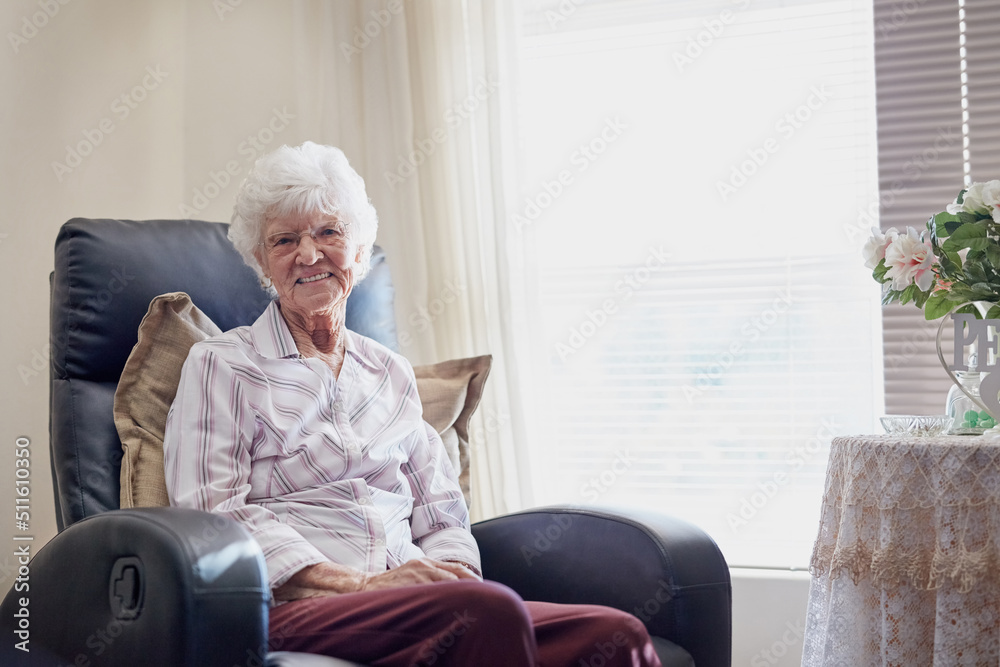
{"points": [[286, 243]]}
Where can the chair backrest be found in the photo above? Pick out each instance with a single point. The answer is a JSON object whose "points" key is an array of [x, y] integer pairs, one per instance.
{"points": [[106, 273]]}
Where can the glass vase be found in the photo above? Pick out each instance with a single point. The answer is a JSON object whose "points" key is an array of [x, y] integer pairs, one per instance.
{"points": [[968, 417]]}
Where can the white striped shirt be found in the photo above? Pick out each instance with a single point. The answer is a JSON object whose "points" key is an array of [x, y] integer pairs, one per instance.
{"points": [[316, 468]]}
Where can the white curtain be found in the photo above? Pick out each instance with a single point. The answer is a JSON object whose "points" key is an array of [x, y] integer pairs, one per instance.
{"points": [[409, 90]]}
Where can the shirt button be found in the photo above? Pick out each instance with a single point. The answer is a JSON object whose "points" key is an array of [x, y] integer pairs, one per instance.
{"points": [[364, 500], [379, 542]]}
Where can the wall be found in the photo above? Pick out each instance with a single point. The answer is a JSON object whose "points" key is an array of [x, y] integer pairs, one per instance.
{"points": [[130, 110], [769, 617], [90, 127]]}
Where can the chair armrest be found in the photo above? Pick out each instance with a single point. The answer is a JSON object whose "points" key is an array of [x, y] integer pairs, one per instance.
{"points": [[667, 572], [158, 586]]}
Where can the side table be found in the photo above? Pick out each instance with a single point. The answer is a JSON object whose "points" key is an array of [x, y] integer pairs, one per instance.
{"points": [[906, 566]]}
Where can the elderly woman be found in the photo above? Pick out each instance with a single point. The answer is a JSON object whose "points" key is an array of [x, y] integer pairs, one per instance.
{"points": [[311, 436]]}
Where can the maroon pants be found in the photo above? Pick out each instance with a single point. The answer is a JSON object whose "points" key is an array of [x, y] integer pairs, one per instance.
{"points": [[462, 623]]}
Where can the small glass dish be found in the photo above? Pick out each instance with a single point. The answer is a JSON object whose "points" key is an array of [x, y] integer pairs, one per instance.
{"points": [[919, 426]]}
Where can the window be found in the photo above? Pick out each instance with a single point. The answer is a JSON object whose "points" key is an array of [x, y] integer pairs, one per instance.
{"points": [[702, 322], [938, 88]]}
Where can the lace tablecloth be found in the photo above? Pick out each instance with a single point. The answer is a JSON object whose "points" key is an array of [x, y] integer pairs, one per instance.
{"points": [[906, 567]]}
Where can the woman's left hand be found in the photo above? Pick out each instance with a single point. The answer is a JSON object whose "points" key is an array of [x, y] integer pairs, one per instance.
{"points": [[419, 571]]}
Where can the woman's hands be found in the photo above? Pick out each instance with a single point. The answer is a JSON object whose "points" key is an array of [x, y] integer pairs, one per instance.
{"points": [[420, 571], [318, 580], [325, 579]]}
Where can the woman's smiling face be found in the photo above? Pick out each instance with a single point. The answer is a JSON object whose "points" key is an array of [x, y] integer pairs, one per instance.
{"points": [[311, 259]]}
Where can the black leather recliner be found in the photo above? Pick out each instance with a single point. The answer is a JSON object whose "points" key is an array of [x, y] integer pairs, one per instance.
{"points": [[173, 587]]}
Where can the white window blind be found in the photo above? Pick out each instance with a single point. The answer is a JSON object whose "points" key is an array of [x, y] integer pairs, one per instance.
{"points": [[739, 139], [938, 95], [982, 57]]}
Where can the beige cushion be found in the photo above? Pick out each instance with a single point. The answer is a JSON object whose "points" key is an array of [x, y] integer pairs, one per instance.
{"points": [[147, 388], [449, 391]]}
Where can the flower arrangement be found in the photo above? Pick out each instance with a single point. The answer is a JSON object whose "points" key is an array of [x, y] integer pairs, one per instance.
{"points": [[949, 266]]}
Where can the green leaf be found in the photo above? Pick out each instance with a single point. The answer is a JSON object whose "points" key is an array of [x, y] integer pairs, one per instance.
{"points": [[965, 217], [920, 298], [975, 257], [908, 294], [938, 306], [968, 235], [945, 223], [993, 313], [961, 293], [879, 272], [968, 309], [975, 272], [983, 291], [993, 255]]}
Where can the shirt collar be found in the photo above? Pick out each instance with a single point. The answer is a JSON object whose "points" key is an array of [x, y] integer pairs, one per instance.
{"points": [[273, 339], [271, 336], [353, 345]]}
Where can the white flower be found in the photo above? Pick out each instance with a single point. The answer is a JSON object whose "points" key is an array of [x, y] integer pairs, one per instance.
{"points": [[972, 202], [909, 261], [874, 249], [991, 198]]}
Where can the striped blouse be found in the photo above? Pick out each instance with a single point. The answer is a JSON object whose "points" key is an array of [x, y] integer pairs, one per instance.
{"points": [[316, 468]]}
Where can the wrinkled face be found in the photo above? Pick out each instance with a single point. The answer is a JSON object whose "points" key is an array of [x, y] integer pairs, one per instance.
{"points": [[311, 259]]}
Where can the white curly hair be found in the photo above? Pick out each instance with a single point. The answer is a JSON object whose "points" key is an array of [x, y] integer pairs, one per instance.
{"points": [[302, 179]]}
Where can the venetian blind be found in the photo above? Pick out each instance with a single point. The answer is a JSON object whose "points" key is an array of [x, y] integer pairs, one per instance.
{"points": [[938, 92], [921, 169], [982, 57], [702, 323]]}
